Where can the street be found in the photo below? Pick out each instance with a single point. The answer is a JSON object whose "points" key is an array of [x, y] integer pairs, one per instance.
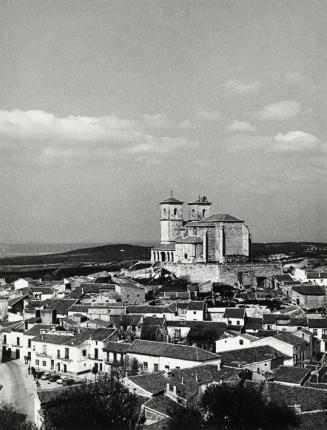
{"points": [[18, 386]]}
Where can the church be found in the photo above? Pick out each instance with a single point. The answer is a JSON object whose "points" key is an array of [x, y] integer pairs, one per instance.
{"points": [[203, 238]]}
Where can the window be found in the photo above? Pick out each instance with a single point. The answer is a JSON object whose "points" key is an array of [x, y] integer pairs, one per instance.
{"points": [[185, 256], [29, 343], [241, 342], [4, 339], [194, 312], [175, 211], [37, 362], [315, 331], [44, 363], [167, 367], [145, 365], [84, 352], [238, 322], [18, 341], [66, 352], [44, 349], [155, 367], [58, 353]]}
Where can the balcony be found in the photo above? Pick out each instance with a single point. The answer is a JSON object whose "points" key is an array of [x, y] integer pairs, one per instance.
{"points": [[69, 360], [16, 346], [43, 355], [91, 357]]}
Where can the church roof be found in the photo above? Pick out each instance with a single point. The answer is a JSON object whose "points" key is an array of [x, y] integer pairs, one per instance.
{"points": [[172, 201], [221, 217], [212, 219]]}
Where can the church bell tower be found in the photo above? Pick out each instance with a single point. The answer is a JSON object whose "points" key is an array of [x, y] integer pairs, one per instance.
{"points": [[171, 219]]}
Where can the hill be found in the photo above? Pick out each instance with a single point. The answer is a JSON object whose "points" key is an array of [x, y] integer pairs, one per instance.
{"points": [[96, 254]]}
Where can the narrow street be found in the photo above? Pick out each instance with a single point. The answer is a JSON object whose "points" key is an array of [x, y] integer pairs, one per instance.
{"points": [[18, 386]]}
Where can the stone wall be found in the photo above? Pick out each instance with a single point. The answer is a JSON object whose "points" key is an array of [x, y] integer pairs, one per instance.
{"points": [[226, 273]]}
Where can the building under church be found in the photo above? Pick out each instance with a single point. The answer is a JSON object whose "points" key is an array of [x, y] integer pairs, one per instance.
{"points": [[203, 238]]}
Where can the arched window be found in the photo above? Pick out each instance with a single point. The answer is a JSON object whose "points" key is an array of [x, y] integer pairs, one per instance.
{"points": [[203, 212], [175, 211]]}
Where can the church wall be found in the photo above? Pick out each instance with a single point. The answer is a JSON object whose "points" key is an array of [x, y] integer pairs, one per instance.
{"points": [[211, 244], [233, 238], [227, 273]]}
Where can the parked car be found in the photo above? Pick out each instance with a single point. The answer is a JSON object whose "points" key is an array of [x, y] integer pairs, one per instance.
{"points": [[68, 381], [45, 376], [59, 381], [54, 378], [39, 374]]}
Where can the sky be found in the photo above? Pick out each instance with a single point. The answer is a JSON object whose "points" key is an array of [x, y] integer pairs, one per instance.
{"points": [[107, 106]]}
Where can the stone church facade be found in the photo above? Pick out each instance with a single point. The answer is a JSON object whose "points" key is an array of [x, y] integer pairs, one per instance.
{"points": [[202, 238]]}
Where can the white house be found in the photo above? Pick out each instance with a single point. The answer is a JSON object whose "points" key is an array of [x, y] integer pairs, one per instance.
{"points": [[22, 283], [155, 356], [234, 317], [70, 354], [231, 342], [318, 327], [191, 311]]}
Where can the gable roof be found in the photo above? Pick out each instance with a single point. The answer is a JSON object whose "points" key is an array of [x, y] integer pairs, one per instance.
{"points": [[36, 329], [147, 309], [234, 313], [193, 305], [181, 352], [120, 347], [241, 357], [290, 338], [317, 322], [161, 404], [252, 323], [310, 290], [292, 375]]}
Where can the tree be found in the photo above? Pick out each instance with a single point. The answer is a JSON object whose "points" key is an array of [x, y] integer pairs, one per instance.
{"points": [[135, 367], [244, 408], [11, 419], [103, 405], [185, 418]]}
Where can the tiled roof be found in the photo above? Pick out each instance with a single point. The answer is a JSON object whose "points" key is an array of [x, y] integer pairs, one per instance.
{"points": [[241, 357], [151, 382], [200, 325], [171, 200], [253, 323], [145, 309], [161, 404], [234, 313], [43, 290], [290, 338], [12, 302], [212, 219], [273, 318], [79, 308], [310, 290], [310, 399], [98, 334], [316, 275], [36, 329], [315, 420], [131, 319], [292, 375], [120, 347], [191, 305], [154, 321], [60, 305], [181, 352], [52, 338], [317, 322], [284, 278]]}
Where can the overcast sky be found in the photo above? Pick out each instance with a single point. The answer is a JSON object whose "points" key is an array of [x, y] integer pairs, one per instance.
{"points": [[106, 106]]}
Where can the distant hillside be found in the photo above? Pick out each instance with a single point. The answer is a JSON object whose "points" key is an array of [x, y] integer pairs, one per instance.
{"points": [[295, 249], [98, 254]]}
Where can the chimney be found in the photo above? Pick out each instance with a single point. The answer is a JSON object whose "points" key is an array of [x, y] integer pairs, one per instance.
{"points": [[196, 377], [174, 390], [167, 388]]}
